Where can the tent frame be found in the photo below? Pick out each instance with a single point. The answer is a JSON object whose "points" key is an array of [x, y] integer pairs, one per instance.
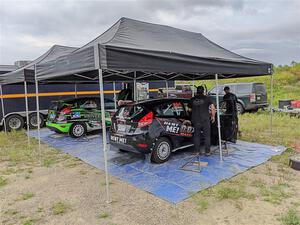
{"points": [[132, 75]]}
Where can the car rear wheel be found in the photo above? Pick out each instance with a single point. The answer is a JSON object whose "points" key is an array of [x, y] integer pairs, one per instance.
{"points": [[240, 108], [77, 130], [162, 151], [33, 121], [14, 122]]}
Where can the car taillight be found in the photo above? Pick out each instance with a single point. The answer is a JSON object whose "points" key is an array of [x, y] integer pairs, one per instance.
{"points": [[142, 145], [252, 97], [66, 111], [146, 120]]}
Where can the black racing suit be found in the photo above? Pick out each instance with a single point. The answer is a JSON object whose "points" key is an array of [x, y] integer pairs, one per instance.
{"points": [[231, 123], [201, 120], [230, 101]]}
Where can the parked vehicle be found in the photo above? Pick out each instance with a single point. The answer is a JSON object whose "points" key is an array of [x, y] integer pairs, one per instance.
{"points": [[78, 116], [251, 96], [179, 91], [158, 126]]}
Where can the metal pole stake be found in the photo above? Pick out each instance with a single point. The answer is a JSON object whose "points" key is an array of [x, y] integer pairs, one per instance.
{"points": [[218, 118]]}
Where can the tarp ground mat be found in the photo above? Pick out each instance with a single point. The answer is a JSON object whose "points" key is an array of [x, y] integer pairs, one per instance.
{"points": [[167, 180]]}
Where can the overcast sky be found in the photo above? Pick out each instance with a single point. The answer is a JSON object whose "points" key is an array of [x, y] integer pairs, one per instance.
{"points": [[267, 30]]}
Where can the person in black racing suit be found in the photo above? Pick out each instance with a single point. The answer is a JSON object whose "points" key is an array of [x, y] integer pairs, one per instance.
{"points": [[200, 106], [231, 123]]}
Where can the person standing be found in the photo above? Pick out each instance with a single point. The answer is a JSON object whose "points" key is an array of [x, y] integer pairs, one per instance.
{"points": [[230, 100], [201, 106]]}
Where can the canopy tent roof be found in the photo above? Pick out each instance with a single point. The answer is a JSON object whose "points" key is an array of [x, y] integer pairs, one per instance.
{"points": [[153, 52], [26, 73]]}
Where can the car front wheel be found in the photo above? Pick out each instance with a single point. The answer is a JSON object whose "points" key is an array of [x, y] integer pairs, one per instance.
{"points": [[162, 151], [77, 130]]}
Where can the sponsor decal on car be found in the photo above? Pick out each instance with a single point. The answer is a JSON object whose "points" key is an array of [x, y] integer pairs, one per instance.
{"points": [[76, 115], [181, 129]]}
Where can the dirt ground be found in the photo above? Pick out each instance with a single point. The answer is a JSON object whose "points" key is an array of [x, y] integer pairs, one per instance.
{"points": [[68, 191]]}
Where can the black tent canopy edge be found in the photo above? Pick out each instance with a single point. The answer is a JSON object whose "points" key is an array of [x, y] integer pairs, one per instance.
{"points": [[137, 62], [122, 59], [26, 73]]}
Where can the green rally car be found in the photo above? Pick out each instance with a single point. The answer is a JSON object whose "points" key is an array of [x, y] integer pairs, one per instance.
{"points": [[78, 116]]}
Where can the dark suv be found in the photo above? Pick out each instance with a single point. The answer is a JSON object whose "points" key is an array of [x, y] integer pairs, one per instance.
{"points": [[251, 96], [158, 126]]}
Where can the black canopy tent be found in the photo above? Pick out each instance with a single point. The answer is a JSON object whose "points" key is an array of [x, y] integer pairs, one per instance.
{"points": [[134, 50], [25, 74]]}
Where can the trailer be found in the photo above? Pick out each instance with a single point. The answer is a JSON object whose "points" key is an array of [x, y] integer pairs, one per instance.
{"points": [[14, 99]]}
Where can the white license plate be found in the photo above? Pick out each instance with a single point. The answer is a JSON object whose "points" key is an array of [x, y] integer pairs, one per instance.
{"points": [[121, 127], [118, 139], [258, 97]]}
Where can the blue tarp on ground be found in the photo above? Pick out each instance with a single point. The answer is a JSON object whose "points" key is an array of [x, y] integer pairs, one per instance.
{"points": [[167, 180]]}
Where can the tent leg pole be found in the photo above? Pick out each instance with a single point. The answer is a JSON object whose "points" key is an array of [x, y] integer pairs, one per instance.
{"points": [[134, 87], [3, 113], [75, 87], [27, 113], [271, 105], [104, 141], [193, 92], [115, 97], [167, 88], [218, 119], [38, 116]]}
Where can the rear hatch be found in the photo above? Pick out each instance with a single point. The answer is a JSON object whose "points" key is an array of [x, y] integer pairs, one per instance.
{"points": [[259, 89], [53, 111], [131, 119], [57, 109]]}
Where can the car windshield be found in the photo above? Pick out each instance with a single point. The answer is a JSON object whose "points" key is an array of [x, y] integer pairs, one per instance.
{"points": [[128, 112]]}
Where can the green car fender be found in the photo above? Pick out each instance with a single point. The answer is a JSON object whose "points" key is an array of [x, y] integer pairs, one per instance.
{"points": [[61, 127]]}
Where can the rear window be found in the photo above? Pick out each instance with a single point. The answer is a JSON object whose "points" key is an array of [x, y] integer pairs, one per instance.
{"points": [[214, 90], [259, 88], [129, 112], [169, 109], [243, 89], [53, 106]]}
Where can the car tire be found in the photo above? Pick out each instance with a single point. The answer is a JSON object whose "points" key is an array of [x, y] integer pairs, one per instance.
{"points": [[77, 130], [14, 122], [240, 108], [161, 151], [33, 121]]}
